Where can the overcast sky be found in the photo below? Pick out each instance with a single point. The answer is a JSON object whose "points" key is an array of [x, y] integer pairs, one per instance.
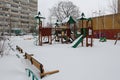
{"points": [[86, 6]]}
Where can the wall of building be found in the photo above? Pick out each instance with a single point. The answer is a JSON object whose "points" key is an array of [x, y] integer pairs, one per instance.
{"points": [[17, 14], [108, 24]]}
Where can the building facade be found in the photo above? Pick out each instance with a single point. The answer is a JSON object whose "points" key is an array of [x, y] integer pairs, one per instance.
{"points": [[109, 25], [17, 14]]}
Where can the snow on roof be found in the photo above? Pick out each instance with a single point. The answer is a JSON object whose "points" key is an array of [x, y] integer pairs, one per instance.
{"points": [[66, 20], [39, 16]]}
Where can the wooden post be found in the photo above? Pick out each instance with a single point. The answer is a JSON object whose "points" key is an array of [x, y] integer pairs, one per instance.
{"points": [[82, 31], [89, 34], [74, 31], [40, 34], [50, 39]]}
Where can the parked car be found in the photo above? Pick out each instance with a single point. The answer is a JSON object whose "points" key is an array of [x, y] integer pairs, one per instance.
{"points": [[22, 33]]}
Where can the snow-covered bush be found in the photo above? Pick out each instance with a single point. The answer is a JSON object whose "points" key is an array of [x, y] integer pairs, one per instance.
{"points": [[4, 47]]}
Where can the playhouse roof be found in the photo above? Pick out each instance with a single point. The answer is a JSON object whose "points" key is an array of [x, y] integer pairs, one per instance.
{"points": [[69, 20], [39, 16]]}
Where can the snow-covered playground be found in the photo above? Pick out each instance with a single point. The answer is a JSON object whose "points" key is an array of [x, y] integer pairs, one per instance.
{"points": [[100, 62]]}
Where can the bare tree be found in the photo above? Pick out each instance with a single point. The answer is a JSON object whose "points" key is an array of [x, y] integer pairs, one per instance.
{"points": [[64, 9], [114, 8], [113, 4], [4, 46]]}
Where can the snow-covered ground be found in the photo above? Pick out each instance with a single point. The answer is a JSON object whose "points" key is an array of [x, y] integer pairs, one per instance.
{"points": [[100, 62]]}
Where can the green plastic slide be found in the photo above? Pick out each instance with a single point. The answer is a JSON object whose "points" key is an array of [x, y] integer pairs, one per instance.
{"points": [[80, 39]]}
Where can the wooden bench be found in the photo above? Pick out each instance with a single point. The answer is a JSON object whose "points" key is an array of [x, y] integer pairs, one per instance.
{"points": [[36, 63], [19, 49], [39, 66], [49, 73], [28, 56]]}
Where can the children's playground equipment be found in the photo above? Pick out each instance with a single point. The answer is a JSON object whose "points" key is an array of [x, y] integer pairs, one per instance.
{"points": [[43, 32], [63, 31], [35, 32], [103, 39], [86, 32], [67, 31], [117, 37]]}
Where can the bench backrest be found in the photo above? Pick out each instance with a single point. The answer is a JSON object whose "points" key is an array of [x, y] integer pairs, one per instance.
{"points": [[33, 61]]}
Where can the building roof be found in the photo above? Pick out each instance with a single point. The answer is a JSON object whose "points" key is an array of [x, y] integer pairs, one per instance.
{"points": [[69, 20]]}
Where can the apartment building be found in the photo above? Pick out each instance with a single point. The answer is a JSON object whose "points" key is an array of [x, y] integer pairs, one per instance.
{"points": [[17, 14]]}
